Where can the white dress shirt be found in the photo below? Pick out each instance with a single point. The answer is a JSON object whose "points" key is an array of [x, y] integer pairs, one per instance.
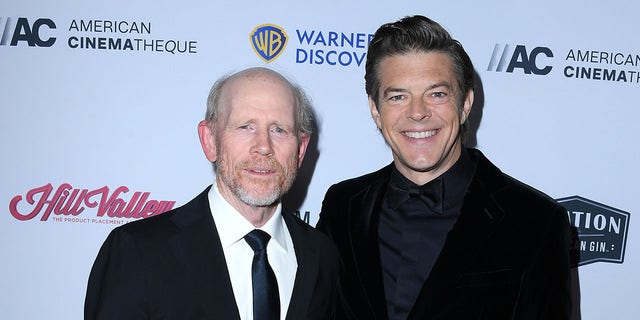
{"points": [[232, 227]]}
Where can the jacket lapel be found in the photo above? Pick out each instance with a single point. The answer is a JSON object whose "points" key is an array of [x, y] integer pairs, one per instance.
{"points": [[364, 209], [307, 257], [197, 245], [479, 217]]}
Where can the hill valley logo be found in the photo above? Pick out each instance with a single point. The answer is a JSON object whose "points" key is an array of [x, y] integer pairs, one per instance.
{"points": [[67, 204], [602, 230]]}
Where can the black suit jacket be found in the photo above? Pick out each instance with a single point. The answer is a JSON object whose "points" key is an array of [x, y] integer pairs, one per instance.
{"points": [[507, 256], [172, 266]]}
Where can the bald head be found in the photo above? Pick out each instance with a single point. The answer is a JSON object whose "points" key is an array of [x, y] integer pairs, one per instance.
{"points": [[220, 94]]}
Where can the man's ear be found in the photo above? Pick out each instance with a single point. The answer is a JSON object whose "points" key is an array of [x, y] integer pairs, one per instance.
{"points": [[374, 112], [302, 148], [207, 140], [466, 106]]}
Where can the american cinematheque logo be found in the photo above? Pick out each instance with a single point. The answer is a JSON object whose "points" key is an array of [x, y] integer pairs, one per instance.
{"points": [[90, 34], [313, 47], [602, 230], [573, 63], [68, 204]]}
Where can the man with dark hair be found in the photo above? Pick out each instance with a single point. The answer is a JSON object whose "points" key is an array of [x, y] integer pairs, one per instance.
{"points": [[231, 252], [440, 233]]}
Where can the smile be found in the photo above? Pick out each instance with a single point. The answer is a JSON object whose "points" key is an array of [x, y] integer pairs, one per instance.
{"points": [[261, 170], [420, 134]]}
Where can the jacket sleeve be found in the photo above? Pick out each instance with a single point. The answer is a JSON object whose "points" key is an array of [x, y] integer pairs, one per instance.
{"points": [[115, 281], [547, 292]]}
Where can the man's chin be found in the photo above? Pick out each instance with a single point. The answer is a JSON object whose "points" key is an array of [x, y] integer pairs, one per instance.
{"points": [[260, 200]]}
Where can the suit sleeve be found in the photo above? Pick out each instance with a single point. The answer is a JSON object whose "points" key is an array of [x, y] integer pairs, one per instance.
{"points": [[324, 222], [548, 295], [115, 281]]}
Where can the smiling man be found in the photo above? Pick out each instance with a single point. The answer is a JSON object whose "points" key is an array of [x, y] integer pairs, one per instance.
{"points": [[440, 233], [231, 252]]}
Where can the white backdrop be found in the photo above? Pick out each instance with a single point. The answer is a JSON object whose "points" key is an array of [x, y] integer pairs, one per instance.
{"points": [[114, 130]]}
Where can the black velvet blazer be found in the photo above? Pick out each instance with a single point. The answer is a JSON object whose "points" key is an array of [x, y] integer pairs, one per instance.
{"points": [[507, 256]]}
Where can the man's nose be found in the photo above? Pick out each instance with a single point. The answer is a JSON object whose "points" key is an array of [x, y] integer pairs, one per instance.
{"points": [[262, 143]]}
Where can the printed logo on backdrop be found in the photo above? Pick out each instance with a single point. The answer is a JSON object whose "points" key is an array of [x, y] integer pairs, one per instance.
{"points": [[602, 230], [312, 46], [20, 30], [103, 205], [508, 58], [268, 41], [574, 63], [90, 34]]}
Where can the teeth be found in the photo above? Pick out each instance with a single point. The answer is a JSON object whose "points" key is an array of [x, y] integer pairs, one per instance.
{"points": [[420, 135], [261, 171]]}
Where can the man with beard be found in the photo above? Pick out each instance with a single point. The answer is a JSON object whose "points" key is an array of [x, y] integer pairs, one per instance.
{"points": [[207, 259]]}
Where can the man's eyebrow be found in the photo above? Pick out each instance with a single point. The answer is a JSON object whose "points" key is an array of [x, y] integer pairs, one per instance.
{"points": [[433, 86], [440, 84], [393, 90]]}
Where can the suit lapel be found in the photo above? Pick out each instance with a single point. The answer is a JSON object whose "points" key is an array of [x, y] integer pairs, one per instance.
{"points": [[307, 258], [479, 217], [364, 209], [197, 245]]}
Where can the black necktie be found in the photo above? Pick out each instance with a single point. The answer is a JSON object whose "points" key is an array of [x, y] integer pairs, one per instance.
{"points": [[266, 302]]}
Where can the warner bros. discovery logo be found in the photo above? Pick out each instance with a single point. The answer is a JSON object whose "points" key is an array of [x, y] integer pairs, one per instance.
{"points": [[602, 230], [268, 41]]}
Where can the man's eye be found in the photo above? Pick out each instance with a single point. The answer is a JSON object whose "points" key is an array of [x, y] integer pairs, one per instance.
{"points": [[396, 98], [439, 97], [278, 130], [244, 127]]}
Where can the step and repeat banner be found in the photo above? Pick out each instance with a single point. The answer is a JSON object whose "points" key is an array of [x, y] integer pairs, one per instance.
{"points": [[100, 103]]}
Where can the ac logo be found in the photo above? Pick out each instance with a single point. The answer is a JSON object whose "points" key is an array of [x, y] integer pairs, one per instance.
{"points": [[23, 31], [519, 58], [268, 41]]}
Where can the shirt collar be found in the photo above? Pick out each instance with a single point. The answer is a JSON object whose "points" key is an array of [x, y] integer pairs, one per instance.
{"points": [[232, 226], [455, 181]]}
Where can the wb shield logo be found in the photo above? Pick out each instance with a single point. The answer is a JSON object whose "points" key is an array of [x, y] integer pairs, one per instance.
{"points": [[602, 230], [268, 41]]}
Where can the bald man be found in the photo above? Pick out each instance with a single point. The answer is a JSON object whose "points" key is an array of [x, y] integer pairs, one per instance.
{"points": [[196, 261]]}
